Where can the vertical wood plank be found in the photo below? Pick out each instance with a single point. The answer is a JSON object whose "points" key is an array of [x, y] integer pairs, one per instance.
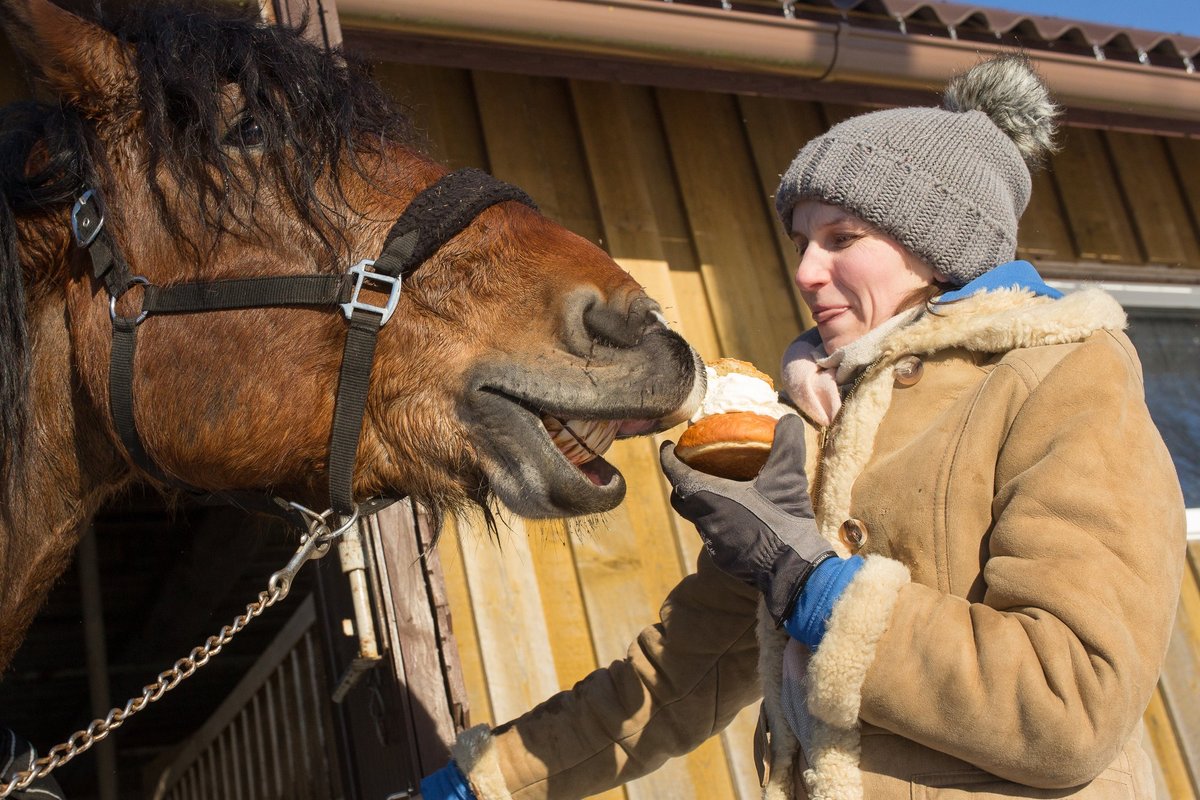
{"points": [[441, 102], [565, 615], [458, 595], [532, 140], [410, 623], [750, 299], [1096, 214], [1154, 199], [688, 304], [507, 604], [1043, 231], [1180, 680], [777, 129], [1185, 162], [631, 235], [1171, 771]]}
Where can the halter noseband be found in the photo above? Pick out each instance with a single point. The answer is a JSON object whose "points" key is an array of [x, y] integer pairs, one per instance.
{"points": [[433, 217]]}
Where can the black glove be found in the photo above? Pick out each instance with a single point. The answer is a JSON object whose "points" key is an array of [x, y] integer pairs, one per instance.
{"points": [[17, 755], [761, 531]]}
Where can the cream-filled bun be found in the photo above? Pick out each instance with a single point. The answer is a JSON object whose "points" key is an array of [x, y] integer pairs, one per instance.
{"points": [[731, 433]]}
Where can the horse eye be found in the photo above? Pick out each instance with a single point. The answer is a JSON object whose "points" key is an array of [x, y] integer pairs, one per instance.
{"points": [[245, 133]]}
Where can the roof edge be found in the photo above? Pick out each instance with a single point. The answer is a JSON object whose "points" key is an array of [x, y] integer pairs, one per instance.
{"points": [[692, 36]]}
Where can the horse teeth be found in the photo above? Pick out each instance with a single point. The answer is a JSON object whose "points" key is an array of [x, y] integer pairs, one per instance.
{"points": [[581, 440]]}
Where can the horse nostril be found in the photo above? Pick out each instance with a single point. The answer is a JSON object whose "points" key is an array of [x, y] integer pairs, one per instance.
{"points": [[620, 320], [621, 325]]}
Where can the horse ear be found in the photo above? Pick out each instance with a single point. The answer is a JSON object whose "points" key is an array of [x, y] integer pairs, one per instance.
{"points": [[80, 61]]}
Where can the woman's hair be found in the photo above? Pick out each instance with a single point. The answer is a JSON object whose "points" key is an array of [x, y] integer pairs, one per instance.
{"points": [[923, 294]]}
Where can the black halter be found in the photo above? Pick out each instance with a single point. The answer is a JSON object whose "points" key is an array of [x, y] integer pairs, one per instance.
{"points": [[433, 217]]}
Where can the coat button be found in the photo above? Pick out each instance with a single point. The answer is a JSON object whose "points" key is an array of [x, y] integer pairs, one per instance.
{"points": [[853, 534], [908, 370]]}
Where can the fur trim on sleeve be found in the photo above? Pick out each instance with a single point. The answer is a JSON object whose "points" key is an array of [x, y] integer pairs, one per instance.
{"points": [[839, 667], [835, 677], [475, 754]]}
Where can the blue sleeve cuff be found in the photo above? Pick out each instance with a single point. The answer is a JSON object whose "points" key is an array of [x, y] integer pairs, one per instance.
{"points": [[825, 585], [447, 783]]}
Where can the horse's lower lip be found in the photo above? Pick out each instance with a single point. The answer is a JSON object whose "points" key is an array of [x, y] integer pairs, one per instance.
{"points": [[527, 471]]}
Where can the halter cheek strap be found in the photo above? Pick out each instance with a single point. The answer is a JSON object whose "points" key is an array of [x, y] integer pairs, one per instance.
{"points": [[434, 216]]}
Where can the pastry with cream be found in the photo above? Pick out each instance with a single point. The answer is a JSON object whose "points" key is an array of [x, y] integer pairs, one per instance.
{"points": [[731, 433]]}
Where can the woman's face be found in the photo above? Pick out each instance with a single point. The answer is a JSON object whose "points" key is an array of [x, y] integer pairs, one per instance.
{"points": [[852, 275]]}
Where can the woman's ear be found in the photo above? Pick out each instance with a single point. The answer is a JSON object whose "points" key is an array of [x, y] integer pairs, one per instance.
{"points": [[940, 276]]}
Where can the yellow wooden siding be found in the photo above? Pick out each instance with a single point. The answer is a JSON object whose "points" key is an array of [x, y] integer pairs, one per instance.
{"points": [[1044, 230], [677, 186], [775, 130], [1157, 207], [1095, 209]]}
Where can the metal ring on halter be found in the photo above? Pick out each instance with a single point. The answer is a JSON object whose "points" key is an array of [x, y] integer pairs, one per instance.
{"points": [[316, 519], [345, 526], [136, 280], [314, 545]]}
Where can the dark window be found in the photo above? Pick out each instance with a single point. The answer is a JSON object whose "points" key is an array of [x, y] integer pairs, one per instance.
{"points": [[1168, 343]]}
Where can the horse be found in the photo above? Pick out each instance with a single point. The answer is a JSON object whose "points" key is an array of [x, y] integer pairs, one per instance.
{"points": [[213, 150]]}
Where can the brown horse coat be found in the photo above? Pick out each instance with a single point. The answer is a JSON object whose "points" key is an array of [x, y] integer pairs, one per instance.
{"points": [[223, 149]]}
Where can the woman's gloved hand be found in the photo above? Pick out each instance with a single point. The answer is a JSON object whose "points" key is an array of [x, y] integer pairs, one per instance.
{"points": [[760, 531]]}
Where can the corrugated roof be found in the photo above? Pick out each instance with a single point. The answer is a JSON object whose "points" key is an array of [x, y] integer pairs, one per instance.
{"points": [[970, 21]]}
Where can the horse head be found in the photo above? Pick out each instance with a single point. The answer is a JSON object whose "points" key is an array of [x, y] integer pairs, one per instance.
{"points": [[225, 149]]}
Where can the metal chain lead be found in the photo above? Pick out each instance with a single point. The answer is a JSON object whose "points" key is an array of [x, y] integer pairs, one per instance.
{"points": [[315, 544]]}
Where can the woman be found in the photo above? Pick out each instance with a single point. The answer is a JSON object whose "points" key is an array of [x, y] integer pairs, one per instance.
{"points": [[982, 601]]}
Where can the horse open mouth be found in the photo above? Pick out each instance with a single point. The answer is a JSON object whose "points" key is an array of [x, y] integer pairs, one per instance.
{"points": [[549, 462], [541, 430]]}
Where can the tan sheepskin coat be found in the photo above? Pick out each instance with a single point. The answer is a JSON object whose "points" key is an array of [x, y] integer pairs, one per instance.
{"points": [[1024, 544]]}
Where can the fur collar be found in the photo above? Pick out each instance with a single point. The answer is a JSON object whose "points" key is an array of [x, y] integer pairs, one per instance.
{"points": [[1006, 319]]}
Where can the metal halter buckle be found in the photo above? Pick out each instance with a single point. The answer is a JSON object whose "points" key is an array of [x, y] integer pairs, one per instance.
{"points": [[360, 273], [87, 218]]}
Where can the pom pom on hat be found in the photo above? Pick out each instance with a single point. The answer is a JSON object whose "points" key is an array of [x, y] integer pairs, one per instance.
{"points": [[1007, 89]]}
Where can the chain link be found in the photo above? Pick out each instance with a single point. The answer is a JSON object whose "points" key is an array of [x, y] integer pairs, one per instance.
{"points": [[315, 544]]}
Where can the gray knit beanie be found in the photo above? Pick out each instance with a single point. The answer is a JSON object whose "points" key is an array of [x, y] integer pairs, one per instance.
{"points": [[948, 183]]}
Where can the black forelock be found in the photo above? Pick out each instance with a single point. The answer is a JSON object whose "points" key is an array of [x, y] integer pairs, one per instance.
{"points": [[313, 108]]}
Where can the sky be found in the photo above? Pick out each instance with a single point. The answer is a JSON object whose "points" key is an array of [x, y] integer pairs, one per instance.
{"points": [[1166, 16]]}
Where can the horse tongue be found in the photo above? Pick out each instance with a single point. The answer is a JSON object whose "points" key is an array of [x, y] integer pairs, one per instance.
{"points": [[638, 427], [598, 471]]}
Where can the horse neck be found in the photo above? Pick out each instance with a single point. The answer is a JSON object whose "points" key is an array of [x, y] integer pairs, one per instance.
{"points": [[68, 469]]}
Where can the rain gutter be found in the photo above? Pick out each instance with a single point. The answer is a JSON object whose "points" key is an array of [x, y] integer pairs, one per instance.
{"points": [[654, 32]]}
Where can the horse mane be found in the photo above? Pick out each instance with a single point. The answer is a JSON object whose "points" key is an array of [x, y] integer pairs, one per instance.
{"points": [[317, 113], [25, 188]]}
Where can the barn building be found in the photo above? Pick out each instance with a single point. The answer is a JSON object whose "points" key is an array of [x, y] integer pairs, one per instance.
{"points": [[657, 129]]}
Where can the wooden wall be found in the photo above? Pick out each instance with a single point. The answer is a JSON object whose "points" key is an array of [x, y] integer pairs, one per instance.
{"points": [[676, 185]]}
